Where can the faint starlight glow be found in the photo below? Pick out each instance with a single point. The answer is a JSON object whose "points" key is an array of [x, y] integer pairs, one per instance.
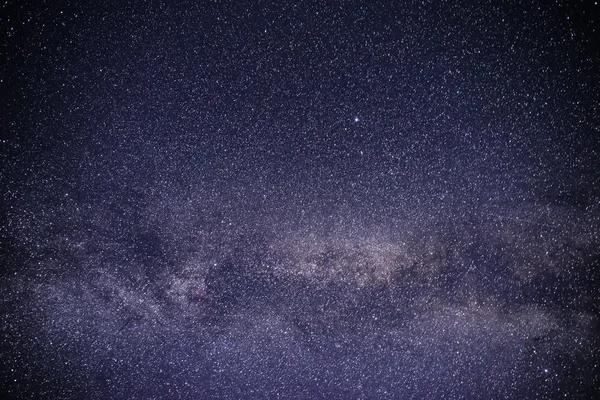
{"points": [[370, 200]]}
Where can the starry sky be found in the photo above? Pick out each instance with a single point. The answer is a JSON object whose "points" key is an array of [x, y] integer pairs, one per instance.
{"points": [[299, 199]]}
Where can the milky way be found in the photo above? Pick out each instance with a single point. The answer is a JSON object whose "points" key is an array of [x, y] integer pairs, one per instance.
{"points": [[313, 199]]}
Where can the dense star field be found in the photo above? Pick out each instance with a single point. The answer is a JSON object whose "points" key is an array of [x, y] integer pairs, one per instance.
{"points": [[299, 199]]}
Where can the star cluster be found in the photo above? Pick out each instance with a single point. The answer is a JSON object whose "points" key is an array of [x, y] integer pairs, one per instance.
{"points": [[299, 199]]}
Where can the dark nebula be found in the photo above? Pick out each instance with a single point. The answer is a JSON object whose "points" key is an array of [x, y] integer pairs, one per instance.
{"points": [[299, 200]]}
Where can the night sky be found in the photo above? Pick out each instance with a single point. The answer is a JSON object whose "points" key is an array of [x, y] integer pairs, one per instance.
{"points": [[299, 199]]}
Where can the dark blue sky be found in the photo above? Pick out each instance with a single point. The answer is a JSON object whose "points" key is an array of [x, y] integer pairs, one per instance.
{"points": [[310, 199]]}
